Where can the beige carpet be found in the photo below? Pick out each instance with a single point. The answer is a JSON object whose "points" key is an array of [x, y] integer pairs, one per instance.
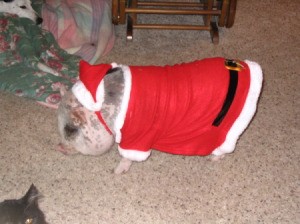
{"points": [[258, 183]]}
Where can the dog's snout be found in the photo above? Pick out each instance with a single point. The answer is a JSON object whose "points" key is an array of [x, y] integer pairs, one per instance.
{"points": [[39, 20]]}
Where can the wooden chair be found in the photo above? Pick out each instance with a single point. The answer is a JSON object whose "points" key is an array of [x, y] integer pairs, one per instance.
{"points": [[216, 13]]}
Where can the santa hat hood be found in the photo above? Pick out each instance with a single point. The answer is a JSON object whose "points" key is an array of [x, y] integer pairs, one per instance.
{"points": [[89, 89]]}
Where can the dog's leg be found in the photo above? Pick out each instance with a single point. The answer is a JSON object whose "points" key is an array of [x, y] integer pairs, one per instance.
{"points": [[47, 69], [123, 166]]}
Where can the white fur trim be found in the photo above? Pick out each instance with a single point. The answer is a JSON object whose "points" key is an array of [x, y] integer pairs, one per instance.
{"points": [[248, 111], [124, 106], [85, 97], [100, 94], [114, 65], [134, 155]]}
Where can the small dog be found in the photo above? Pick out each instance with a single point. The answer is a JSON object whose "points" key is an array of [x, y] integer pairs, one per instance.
{"points": [[22, 211], [21, 8], [197, 108]]}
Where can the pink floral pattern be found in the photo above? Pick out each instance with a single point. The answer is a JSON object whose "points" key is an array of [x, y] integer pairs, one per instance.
{"points": [[4, 45], [53, 98], [3, 25]]}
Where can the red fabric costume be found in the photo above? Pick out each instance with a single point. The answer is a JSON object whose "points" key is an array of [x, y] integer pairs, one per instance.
{"points": [[172, 108]]}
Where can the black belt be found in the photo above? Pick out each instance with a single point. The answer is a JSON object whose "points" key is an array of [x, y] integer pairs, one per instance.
{"points": [[234, 67]]}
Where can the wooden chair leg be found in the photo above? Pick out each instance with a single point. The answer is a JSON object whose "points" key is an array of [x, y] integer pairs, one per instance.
{"points": [[122, 16], [231, 13], [207, 18], [214, 32], [224, 12], [115, 12], [131, 19], [129, 34], [134, 4], [209, 22]]}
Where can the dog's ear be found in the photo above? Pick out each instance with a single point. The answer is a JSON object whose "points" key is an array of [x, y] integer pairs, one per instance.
{"points": [[77, 117]]}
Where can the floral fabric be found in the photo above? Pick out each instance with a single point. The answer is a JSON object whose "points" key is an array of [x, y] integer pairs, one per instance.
{"points": [[22, 45]]}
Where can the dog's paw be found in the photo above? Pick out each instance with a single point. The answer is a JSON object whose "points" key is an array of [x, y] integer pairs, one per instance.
{"points": [[123, 166]]}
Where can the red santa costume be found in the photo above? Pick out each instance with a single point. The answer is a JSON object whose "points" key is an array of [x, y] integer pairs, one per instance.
{"points": [[195, 108]]}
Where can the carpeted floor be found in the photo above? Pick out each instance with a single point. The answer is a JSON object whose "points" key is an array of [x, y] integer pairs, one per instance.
{"points": [[258, 183]]}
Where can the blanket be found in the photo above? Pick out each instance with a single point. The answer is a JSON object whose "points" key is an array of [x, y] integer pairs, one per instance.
{"points": [[22, 46], [81, 27]]}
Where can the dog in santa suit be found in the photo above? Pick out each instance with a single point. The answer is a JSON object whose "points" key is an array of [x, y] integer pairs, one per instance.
{"points": [[197, 108]]}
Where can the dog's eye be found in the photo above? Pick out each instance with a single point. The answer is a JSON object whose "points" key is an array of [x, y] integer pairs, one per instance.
{"points": [[23, 7]]}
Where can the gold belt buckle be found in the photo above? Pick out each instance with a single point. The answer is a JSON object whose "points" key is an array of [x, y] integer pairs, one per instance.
{"points": [[234, 65]]}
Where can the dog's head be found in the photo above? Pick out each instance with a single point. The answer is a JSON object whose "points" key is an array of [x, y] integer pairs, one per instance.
{"points": [[21, 8]]}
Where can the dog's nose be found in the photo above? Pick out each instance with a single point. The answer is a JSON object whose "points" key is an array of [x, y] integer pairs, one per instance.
{"points": [[39, 20]]}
